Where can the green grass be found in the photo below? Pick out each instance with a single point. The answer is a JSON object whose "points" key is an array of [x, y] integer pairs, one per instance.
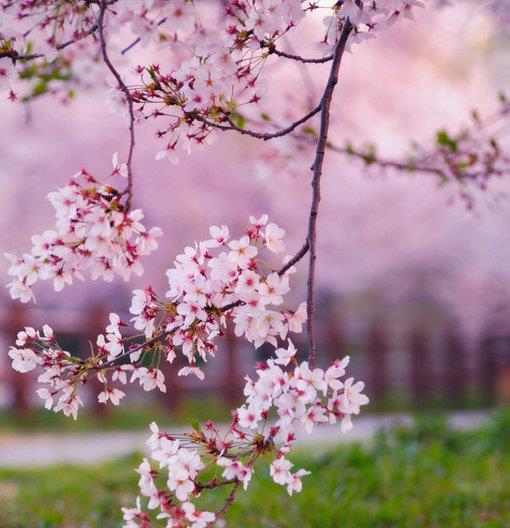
{"points": [[136, 417], [123, 418], [421, 477]]}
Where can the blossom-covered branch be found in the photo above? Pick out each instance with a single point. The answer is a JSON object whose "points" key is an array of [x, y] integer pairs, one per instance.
{"points": [[212, 79], [300, 399], [128, 101], [316, 184]]}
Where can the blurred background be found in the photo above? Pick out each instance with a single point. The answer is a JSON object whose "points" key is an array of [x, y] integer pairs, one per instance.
{"points": [[412, 285]]}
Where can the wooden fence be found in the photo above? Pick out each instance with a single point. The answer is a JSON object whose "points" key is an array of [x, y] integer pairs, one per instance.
{"points": [[415, 365]]}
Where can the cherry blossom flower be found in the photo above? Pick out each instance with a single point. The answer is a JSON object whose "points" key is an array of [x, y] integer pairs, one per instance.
{"points": [[93, 232]]}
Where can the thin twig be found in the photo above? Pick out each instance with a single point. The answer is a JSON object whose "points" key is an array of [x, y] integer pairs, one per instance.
{"points": [[299, 58], [129, 101], [266, 136], [15, 56], [148, 343], [137, 40], [316, 186], [295, 259]]}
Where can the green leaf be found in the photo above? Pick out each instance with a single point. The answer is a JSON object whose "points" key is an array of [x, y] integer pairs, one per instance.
{"points": [[195, 424], [239, 120], [445, 140]]}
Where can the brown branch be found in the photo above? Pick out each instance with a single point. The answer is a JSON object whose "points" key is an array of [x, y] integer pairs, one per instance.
{"points": [[129, 100], [299, 58], [295, 259], [393, 164], [15, 56], [137, 40], [316, 185], [266, 136], [214, 484], [228, 502], [231, 496], [420, 165]]}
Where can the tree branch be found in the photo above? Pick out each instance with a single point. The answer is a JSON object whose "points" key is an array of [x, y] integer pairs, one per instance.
{"points": [[316, 185], [15, 56], [137, 40], [129, 101], [299, 58], [295, 259], [261, 135]]}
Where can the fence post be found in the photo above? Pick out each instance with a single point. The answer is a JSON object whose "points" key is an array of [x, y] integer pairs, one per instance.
{"points": [[231, 388], [378, 360], [487, 369], [18, 383], [97, 321], [455, 367], [420, 367]]}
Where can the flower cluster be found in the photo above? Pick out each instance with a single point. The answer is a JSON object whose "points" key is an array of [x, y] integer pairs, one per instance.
{"points": [[62, 374], [208, 87], [221, 74], [94, 232], [214, 281], [300, 398], [43, 43], [367, 17]]}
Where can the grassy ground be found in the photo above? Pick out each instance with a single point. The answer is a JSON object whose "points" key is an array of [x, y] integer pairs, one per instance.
{"points": [[427, 476], [133, 417], [124, 418]]}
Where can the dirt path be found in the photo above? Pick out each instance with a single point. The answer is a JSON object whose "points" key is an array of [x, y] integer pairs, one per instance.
{"points": [[43, 449]]}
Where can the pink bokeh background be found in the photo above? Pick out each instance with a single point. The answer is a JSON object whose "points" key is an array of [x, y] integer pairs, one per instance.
{"points": [[386, 242]]}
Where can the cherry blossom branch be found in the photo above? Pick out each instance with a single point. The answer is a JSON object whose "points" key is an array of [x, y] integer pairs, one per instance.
{"points": [[389, 164], [319, 60], [316, 185], [15, 56], [145, 344], [129, 101], [162, 335], [266, 136], [215, 484], [295, 259], [231, 496], [228, 502], [137, 40]]}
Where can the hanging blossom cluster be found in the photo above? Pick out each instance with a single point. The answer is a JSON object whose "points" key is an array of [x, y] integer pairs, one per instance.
{"points": [[44, 48], [222, 76], [206, 291], [94, 232], [62, 373], [284, 401], [217, 76], [212, 282]]}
